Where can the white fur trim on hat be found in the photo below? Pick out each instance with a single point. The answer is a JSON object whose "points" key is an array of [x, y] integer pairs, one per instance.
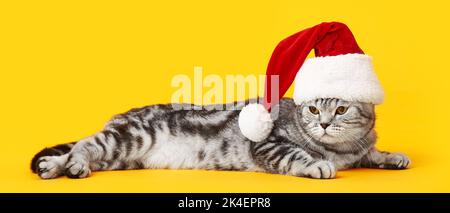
{"points": [[349, 77], [255, 122]]}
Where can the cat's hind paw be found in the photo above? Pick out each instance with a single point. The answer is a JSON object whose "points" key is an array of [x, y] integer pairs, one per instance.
{"points": [[77, 169], [49, 167], [321, 169]]}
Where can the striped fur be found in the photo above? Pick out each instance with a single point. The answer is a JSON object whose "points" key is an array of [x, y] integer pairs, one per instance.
{"points": [[165, 137]]}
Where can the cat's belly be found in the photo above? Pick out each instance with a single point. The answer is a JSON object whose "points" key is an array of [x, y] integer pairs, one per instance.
{"points": [[196, 152]]}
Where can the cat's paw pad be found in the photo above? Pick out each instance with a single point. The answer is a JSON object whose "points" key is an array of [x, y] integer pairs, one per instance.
{"points": [[396, 161], [322, 170], [77, 169], [49, 167]]}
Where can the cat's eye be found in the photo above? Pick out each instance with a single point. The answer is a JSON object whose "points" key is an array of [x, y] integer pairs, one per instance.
{"points": [[341, 110], [313, 110]]}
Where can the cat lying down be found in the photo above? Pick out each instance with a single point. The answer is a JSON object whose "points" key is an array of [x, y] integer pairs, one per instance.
{"points": [[314, 139]]}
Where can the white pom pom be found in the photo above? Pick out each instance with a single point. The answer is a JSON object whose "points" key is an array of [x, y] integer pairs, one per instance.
{"points": [[255, 122]]}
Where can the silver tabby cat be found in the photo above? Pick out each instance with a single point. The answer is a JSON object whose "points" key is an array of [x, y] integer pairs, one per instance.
{"points": [[314, 139]]}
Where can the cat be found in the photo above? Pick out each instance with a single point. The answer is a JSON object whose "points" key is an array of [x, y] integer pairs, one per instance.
{"points": [[314, 139]]}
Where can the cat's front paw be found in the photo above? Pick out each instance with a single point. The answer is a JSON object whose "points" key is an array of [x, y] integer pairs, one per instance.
{"points": [[321, 169], [396, 161], [77, 169]]}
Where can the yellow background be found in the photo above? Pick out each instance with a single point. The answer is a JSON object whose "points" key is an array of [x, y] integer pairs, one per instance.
{"points": [[68, 66]]}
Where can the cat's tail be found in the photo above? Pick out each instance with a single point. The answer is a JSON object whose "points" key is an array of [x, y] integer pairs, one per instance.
{"points": [[57, 150]]}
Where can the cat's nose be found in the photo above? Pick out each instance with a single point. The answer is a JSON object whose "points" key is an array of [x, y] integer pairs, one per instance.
{"points": [[324, 125]]}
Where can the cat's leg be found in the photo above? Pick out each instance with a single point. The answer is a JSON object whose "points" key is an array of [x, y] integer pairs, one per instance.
{"points": [[283, 158], [384, 160], [116, 148]]}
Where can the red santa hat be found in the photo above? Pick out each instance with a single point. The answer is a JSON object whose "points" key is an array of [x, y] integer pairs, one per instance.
{"points": [[339, 70]]}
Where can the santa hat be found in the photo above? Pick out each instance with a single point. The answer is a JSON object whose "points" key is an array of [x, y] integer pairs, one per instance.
{"points": [[339, 70]]}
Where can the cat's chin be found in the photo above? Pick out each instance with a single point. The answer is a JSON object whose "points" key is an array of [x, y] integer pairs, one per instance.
{"points": [[328, 139]]}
